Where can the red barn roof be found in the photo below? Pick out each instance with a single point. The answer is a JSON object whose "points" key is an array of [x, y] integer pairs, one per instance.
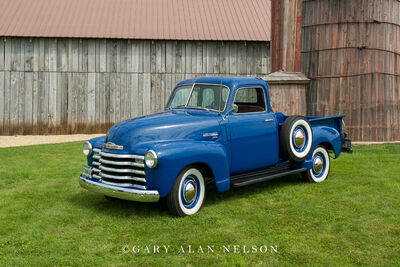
{"points": [[248, 20]]}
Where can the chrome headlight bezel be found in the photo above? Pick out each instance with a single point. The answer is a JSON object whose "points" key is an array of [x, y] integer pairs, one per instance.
{"points": [[87, 148], [150, 159]]}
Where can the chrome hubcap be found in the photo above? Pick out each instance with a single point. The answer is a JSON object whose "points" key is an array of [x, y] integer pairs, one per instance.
{"points": [[318, 164], [190, 191], [299, 138]]}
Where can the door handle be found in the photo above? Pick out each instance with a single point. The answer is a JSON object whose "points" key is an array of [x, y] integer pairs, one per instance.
{"points": [[269, 120]]}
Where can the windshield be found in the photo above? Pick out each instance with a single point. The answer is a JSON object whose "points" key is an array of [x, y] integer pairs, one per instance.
{"points": [[199, 96]]}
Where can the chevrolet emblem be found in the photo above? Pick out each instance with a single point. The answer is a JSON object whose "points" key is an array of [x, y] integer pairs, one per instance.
{"points": [[111, 145]]}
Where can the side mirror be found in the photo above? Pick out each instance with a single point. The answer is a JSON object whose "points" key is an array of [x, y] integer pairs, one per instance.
{"points": [[234, 108]]}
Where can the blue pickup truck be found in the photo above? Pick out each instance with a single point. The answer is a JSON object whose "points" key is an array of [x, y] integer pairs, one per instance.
{"points": [[219, 130]]}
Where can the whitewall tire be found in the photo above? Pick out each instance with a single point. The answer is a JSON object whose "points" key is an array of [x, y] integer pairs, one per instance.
{"points": [[320, 166], [188, 192], [296, 138]]}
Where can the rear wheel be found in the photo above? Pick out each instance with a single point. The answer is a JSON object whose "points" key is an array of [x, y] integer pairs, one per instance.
{"points": [[187, 194], [320, 166]]}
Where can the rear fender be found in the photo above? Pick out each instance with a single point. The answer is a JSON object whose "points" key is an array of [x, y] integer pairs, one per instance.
{"points": [[325, 135]]}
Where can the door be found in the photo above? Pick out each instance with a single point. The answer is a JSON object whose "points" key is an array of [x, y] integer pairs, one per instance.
{"points": [[254, 133]]}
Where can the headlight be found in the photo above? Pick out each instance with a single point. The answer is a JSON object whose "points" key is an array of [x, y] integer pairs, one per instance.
{"points": [[87, 149], [150, 159]]}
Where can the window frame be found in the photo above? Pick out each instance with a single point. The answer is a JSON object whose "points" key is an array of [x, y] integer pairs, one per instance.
{"points": [[190, 95], [252, 87]]}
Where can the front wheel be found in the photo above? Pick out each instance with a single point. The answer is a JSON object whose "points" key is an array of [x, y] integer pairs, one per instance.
{"points": [[187, 194], [320, 166]]}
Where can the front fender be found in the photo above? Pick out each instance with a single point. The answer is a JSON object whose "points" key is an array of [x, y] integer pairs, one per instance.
{"points": [[174, 156], [96, 142]]}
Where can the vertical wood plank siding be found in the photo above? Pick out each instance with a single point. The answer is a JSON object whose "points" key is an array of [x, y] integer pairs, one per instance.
{"points": [[65, 85], [351, 51]]}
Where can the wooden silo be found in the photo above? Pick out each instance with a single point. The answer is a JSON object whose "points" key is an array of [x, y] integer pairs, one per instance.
{"points": [[351, 53]]}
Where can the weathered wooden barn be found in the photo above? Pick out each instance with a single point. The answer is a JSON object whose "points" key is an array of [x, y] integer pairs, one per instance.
{"points": [[351, 53], [81, 66]]}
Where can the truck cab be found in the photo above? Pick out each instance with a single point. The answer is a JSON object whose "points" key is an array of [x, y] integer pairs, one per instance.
{"points": [[214, 129]]}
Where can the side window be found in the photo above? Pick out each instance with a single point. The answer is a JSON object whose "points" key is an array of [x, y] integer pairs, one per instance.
{"points": [[250, 100]]}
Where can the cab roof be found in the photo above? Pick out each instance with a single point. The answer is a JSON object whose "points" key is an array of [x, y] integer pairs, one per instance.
{"points": [[231, 82]]}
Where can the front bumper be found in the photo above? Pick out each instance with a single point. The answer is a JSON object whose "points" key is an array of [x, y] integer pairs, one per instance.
{"points": [[119, 192]]}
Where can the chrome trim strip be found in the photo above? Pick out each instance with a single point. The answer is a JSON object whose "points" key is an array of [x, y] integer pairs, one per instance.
{"points": [[124, 184], [190, 95], [210, 134], [127, 163], [96, 163], [97, 150], [139, 179], [96, 176], [96, 157], [95, 170], [120, 156], [103, 168], [119, 192]]}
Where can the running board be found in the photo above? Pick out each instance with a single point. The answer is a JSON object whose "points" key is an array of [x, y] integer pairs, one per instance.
{"points": [[261, 176]]}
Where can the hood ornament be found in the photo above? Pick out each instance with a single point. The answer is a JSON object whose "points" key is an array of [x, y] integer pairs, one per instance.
{"points": [[111, 145]]}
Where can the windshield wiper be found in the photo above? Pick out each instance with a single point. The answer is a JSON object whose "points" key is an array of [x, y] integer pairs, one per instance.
{"points": [[200, 108], [184, 106]]}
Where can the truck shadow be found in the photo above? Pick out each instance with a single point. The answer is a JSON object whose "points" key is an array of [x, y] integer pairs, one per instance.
{"points": [[117, 207], [214, 196], [124, 208]]}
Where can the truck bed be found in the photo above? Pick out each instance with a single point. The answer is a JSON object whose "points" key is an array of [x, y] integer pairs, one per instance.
{"points": [[312, 119]]}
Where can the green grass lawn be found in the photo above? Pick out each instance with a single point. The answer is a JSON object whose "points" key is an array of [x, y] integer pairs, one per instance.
{"points": [[353, 218]]}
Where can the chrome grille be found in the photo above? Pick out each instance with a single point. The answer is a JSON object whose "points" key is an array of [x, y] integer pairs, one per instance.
{"points": [[119, 169]]}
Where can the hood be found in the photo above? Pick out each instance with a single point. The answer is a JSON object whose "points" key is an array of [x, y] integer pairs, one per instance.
{"points": [[176, 124]]}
